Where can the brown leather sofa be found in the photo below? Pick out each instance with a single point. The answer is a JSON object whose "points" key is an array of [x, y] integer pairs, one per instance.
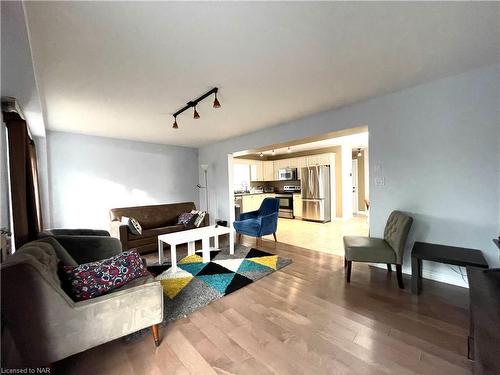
{"points": [[154, 220]]}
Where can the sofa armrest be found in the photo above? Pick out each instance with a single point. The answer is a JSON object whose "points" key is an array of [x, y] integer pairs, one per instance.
{"points": [[86, 249], [120, 231], [249, 215]]}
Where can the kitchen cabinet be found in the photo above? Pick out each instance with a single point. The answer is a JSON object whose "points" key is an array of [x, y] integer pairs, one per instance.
{"points": [[283, 164], [256, 171], [319, 159], [297, 205], [300, 163], [252, 202], [268, 171]]}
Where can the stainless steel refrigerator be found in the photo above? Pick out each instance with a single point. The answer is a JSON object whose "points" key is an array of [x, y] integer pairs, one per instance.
{"points": [[315, 189]]}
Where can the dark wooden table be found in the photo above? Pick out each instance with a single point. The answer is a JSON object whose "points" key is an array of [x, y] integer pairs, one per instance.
{"points": [[457, 256]]}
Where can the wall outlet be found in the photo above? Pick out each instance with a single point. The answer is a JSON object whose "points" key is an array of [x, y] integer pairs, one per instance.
{"points": [[379, 181]]}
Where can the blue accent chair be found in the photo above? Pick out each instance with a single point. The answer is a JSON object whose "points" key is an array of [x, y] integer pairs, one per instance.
{"points": [[259, 223]]}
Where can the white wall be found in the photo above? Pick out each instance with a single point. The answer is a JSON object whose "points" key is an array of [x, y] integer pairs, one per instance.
{"points": [[89, 175], [437, 146], [18, 76]]}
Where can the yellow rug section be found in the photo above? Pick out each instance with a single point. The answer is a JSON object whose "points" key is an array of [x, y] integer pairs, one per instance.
{"points": [[269, 261], [172, 287], [191, 259]]}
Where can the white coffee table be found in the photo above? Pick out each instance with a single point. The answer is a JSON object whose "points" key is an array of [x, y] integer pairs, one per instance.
{"points": [[190, 236]]}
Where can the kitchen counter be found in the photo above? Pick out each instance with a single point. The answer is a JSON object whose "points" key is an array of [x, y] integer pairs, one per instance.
{"points": [[241, 194]]}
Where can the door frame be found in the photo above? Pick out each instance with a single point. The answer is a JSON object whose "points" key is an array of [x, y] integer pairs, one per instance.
{"points": [[355, 186]]}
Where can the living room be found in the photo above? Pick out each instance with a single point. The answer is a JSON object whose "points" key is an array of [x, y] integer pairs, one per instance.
{"points": [[122, 122]]}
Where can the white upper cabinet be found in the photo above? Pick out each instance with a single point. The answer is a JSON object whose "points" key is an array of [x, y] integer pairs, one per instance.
{"points": [[256, 170], [319, 159], [268, 171]]}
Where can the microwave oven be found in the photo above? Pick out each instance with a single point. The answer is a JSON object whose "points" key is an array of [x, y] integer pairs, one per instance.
{"points": [[287, 174]]}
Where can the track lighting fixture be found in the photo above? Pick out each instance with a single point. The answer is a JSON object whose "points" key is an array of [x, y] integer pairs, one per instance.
{"points": [[359, 152], [272, 152], [261, 154], [194, 103], [216, 101], [289, 149]]}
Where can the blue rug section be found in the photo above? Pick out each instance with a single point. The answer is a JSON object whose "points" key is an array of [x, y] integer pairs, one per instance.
{"points": [[249, 266], [218, 281], [192, 268]]}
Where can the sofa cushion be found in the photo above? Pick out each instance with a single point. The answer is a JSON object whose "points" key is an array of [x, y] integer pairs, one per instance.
{"points": [[96, 278], [155, 232], [154, 216]]}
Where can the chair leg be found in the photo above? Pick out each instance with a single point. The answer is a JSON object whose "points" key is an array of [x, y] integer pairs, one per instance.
{"points": [[389, 268], [345, 262], [399, 273], [348, 273], [274, 235], [238, 237], [156, 335]]}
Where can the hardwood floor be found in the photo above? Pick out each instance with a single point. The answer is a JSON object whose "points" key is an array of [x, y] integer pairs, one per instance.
{"points": [[304, 319], [326, 237]]}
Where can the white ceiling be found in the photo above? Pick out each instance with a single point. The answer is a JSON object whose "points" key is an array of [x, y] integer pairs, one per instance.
{"points": [[119, 69]]}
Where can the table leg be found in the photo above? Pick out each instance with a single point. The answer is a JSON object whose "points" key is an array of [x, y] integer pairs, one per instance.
{"points": [[160, 252], [231, 242], [205, 249], [416, 272], [216, 241], [191, 248], [173, 254]]}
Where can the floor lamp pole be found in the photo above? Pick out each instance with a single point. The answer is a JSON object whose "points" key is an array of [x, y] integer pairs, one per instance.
{"points": [[206, 187]]}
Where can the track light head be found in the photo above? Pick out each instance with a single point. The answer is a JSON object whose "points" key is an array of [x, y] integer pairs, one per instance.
{"points": [[261, 155], [359, 152], [216, 102], [289, 149], [196, 115], [175, 126]]}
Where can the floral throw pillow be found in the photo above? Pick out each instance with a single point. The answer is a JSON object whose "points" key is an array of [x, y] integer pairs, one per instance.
{"points": [[185, 218], [93, 279]]}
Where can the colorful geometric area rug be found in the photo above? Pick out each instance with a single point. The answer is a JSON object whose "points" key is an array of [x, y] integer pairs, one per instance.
{"points": [[196, 284]]}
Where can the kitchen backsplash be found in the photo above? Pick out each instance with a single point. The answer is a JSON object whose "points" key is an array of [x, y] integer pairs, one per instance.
{"points": [[278, 185]]}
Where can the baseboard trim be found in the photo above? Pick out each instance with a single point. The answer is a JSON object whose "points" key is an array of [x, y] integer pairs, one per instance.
{"points": [[434, 276]]}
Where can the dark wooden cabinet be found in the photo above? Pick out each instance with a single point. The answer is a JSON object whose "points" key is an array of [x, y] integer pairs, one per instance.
{"points": [[484, 336]]}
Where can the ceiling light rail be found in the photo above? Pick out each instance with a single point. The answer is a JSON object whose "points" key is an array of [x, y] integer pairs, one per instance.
{"points": [[194, 103]]}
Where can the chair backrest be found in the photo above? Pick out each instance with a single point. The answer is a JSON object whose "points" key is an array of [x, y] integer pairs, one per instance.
{"points": [[269, 206], [396, 231]]}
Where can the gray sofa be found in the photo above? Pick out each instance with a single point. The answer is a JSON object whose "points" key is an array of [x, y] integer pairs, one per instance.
{"points": [[47, 325]]}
